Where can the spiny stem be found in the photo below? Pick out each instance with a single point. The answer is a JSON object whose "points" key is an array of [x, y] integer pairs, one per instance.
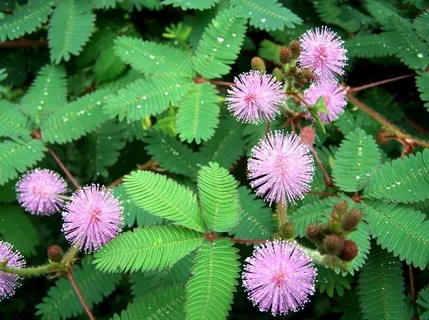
{"points": [[33, 271], [64, 168], [69, 256], [79, 295], [378, 83], [23, 44]]}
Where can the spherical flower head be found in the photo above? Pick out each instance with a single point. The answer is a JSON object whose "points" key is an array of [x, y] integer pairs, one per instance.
{"points": [[92, 218], [335, 99], [323, 52], [279, 276], [9, 282], [281, 168], [255, 97], [39, 191]]}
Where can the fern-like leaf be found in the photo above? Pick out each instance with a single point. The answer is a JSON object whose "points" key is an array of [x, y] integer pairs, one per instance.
{"points": [[355, 159], [198, 114], [217, 191], [209, 292], [423, 301], [164, 198], [256, 221], [62, 301], [47, 93], [16, 228], [192, 4], [402, 180], [172, 154], [146, 97], [368, 46], [331, 282], [220, 44], [76, 119], [70, 27], [381, 288], [422, 82], [268, 15], [13, 122], [153, 58], [108, 66], [154, 248], [401, 230], [16, 156], [25, 19], [421, 24]]}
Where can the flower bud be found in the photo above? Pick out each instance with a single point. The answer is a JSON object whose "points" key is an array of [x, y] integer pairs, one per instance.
{"points": [[295, 48], [333, 244], [55, 253], [287, 230], [277, 73], [308, 74], [349, 251], [258, 64], [307, 135], [313, 233], [301, 79], [293, 70], [285, 55], [351, 219], [384, 136], [340, 208]]}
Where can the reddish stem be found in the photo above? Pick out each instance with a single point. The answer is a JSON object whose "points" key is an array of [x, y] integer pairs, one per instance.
{"points": [[378, 83], [327, 177], [222, 83], [64, 168], [415, 126], [412, 290], [23, 44], [79, 295]]}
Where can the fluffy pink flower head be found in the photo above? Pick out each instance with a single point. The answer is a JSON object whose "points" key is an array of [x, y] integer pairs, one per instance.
{"points": [[39, 190], [92, 218], [9, 282], [335, 99], [279, 276], [323, 52], [255, 97], [281, 167]]}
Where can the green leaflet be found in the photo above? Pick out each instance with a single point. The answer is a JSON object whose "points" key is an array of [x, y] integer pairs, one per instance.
{"points": [[192, 4], [16, 156], [133, 213], [75, 119], [13, 122], [25, 19], [423, 301], [220, 44], [268, 15], [209, 292], [332, 13], [164, 198], [256, 219], [198, 114], [331, 282], [162, 304], [348, 307], [368, 46], [355, 160], [381, 288], [47, 93], [400, 229], [420, 24], [155, 248], [146, 97], [17, 228], [152, 58], [62, 301], [70, 27], [217, 191], [108, 66], [422, 83], [401, 180]]}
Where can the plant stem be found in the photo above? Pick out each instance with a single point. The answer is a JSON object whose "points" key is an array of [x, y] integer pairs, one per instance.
{"points": [[64, 168], [325, 194], [79, 295], [268, 127], [33, 271], [281, 213], [222, 83], [415, 126], [411, 278], [378, 83], [69, 256], [23, 44], [327, 177], [247, 241]]}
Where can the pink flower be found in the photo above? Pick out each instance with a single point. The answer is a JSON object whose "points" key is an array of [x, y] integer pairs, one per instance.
{"points": [[279, 276], [323, 52], [335, 99], [281, 167], [8, 281], [39, 191], [255, 97], [92, 218]]}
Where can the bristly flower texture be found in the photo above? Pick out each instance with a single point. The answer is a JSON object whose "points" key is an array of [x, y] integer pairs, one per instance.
{"points": [[323, 52], [335, 99], [39, 190], [279, 276], [281, 167], [255, 97], [9, 282], [92, 218]]}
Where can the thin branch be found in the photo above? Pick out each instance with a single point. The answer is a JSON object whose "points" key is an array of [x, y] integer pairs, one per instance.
{"points": [[327, 177], [79, 295], [268, 127], [23, 44], [52, 267], [415, 126], [64, 168], [411, 278], [378, 83], [222, 83]]}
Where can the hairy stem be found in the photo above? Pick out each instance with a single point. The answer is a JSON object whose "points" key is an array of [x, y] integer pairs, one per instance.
{"points": [[70, 256], [33, 271], [79, 295], [378, 83], [64, 168]]}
